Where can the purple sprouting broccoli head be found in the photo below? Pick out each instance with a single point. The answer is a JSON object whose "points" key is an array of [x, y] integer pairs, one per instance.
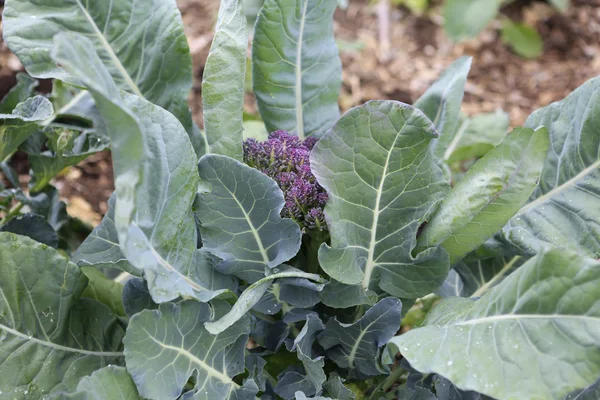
{"points": [[286, 159]]}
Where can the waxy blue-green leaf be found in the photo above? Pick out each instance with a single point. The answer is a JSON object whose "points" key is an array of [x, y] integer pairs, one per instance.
{"points": [[356, 347], [136, 297], [311, 382], [441, 102], [545, 311], [49, 337], [101, 248], [476, 136], [563, 210], [464, 19], [377, 166], [223, 81], [296, 70], [164, 348], [23, 122], [239, 210], [110, 382], [23, 90], [34, 226], [253, 294], [489, 195], [156, 182], [143, 48]]}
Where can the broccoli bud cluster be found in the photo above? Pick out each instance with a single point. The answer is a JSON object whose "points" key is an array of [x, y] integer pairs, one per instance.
{"points": [[286, 159]]}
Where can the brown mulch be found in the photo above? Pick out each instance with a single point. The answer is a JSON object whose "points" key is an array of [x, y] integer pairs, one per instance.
{"points": [[419, 52]]}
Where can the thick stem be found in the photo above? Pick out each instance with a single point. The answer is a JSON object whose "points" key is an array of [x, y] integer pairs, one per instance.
{"points": [[312, 241], [392, 378]]}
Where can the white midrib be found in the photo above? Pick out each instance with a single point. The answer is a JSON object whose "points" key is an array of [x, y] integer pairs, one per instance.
{"points": [[299, 113], [165, 264], [456, 139], [205, 367], [58, 346], [497, 318], [132, 85], [568, 184], [257, 238], [369, 265]]}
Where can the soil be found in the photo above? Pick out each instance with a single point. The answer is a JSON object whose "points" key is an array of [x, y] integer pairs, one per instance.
{"points": [[418, 51]]}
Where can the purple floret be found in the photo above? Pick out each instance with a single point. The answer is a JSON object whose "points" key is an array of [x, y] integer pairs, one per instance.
{"points": [[286, 159]]}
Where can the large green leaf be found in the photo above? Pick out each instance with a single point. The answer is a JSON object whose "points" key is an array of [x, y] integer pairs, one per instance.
{"points": [[546, 311], [164, 348], [156, 182], [223, 81], [15, 128], [476, 136], [49, 336], [491, 192], [144, 48], [110, 382], [356, 347], [383, 183], [101, 248], [464, 19], [297, 71], [104, 290], [563, 210], [239, 209], [311, 381], [252, 295], [441, 102]]}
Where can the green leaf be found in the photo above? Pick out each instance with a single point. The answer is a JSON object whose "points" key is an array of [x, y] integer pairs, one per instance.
{"points": [[101, 248], [33, 226], [174, 335], [253, 294], [491, 192], [223, 81], [464, 19], [15, 128], [291, 40], [523, 39], [545, 311], [239, 210], [49, 337], [441, 102], [155, 171], [563, 209], [24, 89], [67, 147], [334, 388], [383, 183], [312, 380], [356, 347], [104, 290], [136, 297], [468, 277], [110, 382], [476, 136], [144, 49], [69, 101]]}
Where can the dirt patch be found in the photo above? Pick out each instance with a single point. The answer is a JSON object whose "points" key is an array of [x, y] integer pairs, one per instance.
{"points": [[419, 51]]}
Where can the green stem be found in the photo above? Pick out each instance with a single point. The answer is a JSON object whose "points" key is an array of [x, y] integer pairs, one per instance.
{"points": [[12, 213], [392, 378], [496, 278], [312, 241]]}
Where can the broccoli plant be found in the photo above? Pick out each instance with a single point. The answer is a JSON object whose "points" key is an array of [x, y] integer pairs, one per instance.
{"points": [[393, 252]]}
